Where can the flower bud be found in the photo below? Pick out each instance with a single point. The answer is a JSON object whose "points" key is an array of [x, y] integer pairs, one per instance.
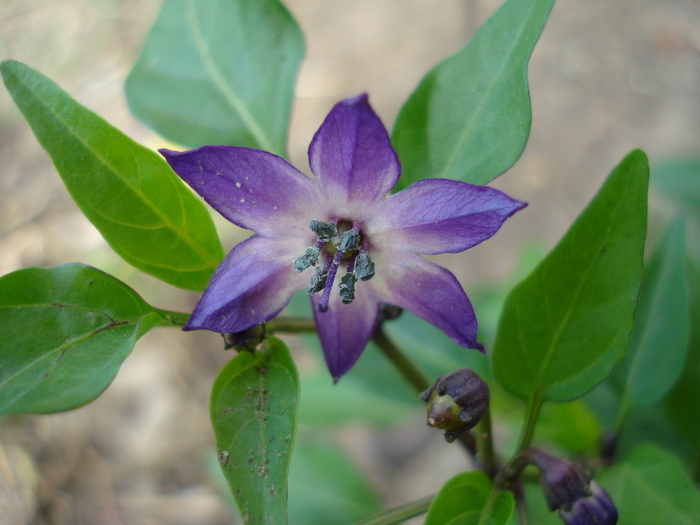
{"points": [[596, 509], [245, 340], [568, 489], [456, 402]]}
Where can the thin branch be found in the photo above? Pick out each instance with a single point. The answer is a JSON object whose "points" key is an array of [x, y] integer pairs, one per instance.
{"points": [[398, 514]]}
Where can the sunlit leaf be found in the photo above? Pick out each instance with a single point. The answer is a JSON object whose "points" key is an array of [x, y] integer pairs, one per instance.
{"points": [[66, 331], [566, 325], [141, 208], [219, 72], [469, 118], [253, 411]]}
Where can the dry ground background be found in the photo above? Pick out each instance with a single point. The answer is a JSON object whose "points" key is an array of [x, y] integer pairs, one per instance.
{"points": [[605, 77]]}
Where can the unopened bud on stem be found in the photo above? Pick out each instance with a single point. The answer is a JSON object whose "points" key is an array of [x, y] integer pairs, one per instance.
{"points": [[456, 402]]}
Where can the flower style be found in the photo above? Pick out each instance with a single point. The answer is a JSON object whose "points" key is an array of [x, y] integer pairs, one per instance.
{"points": [[341, 222]]}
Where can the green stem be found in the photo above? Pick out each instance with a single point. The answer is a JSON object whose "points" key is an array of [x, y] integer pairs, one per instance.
{"points": [[176, 319], [292, 325], [529, 426], [484, 444], [403, 364], [398, 514]]}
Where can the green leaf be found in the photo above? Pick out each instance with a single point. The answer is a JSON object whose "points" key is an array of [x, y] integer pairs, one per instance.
{"points": [[467, 498], [219, 72], [566, 325], [254, 415], [650, 486], [469, 118], [325, 485], [66, 331], [659, 340], [145, 213]]}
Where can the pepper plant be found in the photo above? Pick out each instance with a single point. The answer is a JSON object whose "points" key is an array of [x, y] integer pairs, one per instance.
{"points": [[593, 320]]}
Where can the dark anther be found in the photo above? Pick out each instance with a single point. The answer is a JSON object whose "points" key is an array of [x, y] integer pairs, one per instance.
{"points": [[324, 230], [364, 267], [347, 288], [310, 258], [318, 281]]}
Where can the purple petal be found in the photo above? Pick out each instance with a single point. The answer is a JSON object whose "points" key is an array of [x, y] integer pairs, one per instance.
{"points": [[345, 329], [437, 216], [351, 156], [253, 189], [255, 281], [428, 291]]}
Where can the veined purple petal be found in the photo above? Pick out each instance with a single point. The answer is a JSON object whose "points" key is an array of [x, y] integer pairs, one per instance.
{"points": [[253, 189], [427, 290], [254, 282], [345, 329], [438, 215], [352, 158]]}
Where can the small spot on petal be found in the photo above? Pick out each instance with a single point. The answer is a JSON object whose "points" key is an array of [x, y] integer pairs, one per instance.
{"points": [[238, 184], [242, 200]]}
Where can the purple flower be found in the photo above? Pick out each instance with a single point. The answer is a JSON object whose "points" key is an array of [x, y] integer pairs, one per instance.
{"points": [[340, 235]]}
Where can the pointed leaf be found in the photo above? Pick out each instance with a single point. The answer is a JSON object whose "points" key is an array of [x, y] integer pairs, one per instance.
{"points": [[219, 72], [66, 331], [659, 341], [566, 325], [650, 486], [469, 118], [253, 411], [128, 192]]}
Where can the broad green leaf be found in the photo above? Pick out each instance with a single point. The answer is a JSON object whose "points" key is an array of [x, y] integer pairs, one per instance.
{"points": [[467, 498], [128, 192], [570, 426], [650, 486], [253, 411], [219, 72], [66, 331], [469, 118], [566, 325], [325, 485], [659, 340]]}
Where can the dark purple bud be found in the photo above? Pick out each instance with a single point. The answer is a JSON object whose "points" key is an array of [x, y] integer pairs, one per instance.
{"points": [[596, 509], [456, 402], [246, 340], [563, 481]]}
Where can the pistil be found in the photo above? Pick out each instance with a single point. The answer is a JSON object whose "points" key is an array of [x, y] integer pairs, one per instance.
{"points": [[323, 304]]}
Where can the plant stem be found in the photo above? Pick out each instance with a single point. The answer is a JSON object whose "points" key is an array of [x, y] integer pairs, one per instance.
{"points": [[529, 426], [484, 444], [176, 319], [292, 325], [403, 364], [398, 514]]}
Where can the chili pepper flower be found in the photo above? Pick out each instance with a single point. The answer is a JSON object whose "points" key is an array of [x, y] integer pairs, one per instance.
{"points": [[339, 234]]}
